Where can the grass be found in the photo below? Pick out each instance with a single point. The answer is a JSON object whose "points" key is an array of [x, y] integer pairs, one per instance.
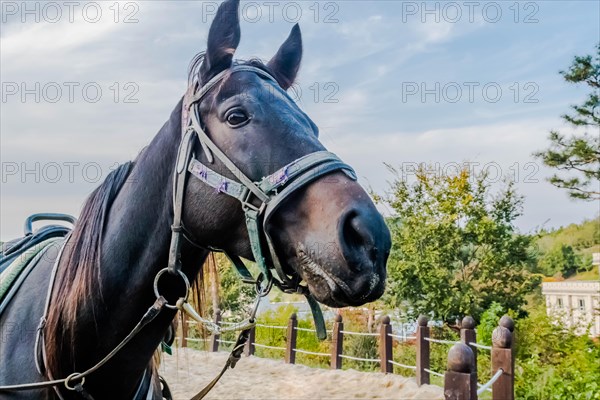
{"points": [[591, 275]]}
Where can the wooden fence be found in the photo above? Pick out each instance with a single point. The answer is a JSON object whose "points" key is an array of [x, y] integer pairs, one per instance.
{"points": [[460, 377]]}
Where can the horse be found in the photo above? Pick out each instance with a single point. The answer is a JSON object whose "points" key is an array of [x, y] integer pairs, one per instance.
{"points": [[238, 167]]}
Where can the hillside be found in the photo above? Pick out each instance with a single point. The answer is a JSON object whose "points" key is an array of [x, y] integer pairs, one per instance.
{"points": [[584, 237], [566, 252]]}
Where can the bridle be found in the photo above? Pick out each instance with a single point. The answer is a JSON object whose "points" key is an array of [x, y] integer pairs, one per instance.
{"points": [[270, 193]]}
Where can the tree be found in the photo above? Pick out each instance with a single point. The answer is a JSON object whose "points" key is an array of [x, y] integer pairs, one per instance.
{"points": [[579, 155], [235, 295], [561, 258], [455, 249], [227, 291]]}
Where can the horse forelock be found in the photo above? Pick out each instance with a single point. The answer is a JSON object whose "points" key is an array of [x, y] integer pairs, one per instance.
{"points": [[195, 68]]}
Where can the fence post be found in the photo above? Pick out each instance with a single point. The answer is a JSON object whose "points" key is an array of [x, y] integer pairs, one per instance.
{"points": [[290, 354], [460, 379], [184, 329], [337, 342], [468, 335], [385, 345], [503, 357], [249, 346], [214, 338], [422, 351]]}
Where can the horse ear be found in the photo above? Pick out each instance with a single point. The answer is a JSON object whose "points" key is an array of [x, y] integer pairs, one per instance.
{"points": [[286, 62], [223, 40]]}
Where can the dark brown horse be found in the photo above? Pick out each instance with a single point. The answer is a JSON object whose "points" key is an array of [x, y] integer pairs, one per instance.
{"points": [[327, 233]]}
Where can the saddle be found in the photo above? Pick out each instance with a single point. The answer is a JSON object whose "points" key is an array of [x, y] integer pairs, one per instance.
{"points": [[18, 257]]}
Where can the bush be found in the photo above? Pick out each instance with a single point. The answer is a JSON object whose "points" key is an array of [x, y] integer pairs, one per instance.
{"points": [[552, 362]]}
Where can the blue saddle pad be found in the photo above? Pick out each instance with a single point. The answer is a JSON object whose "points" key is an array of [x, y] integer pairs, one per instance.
{"points": [[18, 257]]}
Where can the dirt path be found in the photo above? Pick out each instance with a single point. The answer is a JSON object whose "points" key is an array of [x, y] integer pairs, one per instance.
{"points": [[187, 371]]}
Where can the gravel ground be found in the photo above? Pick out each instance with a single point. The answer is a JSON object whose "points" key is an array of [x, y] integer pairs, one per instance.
{"points": [[187, 371]]}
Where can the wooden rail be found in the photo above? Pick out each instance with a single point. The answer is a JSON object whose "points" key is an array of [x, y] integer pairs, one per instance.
{"points": [[460, 377]]}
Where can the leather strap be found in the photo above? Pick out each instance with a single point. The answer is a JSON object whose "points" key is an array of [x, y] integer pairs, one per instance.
{"points": [[317, 317], [221, 183], [232, 360], [241, 269], [150, 314], [179, 179]]}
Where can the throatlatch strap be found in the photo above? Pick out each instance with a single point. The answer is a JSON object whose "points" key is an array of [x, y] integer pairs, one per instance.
{"points": [[241, 269]]}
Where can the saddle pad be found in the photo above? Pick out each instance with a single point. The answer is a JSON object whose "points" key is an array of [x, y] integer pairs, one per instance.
{"points": [[28, 258]]}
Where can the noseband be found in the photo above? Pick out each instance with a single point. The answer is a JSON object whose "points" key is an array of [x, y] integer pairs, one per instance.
{"points": [[269, 193]]}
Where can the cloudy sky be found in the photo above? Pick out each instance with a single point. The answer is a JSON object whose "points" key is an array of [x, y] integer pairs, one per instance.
{"points": [[87, 85]]}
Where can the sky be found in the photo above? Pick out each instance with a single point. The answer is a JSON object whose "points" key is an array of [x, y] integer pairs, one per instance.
{"points": [[86, 85]]}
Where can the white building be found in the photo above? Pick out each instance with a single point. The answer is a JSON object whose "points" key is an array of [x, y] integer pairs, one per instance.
{"points": [[575, 303]]}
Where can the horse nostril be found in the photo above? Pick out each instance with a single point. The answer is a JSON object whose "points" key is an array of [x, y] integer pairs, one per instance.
{"points": [[352, 230], [357, 242]]}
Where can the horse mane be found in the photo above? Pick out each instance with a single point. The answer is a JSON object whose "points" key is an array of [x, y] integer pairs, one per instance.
{"points": [[79, 282], [79, 279]]}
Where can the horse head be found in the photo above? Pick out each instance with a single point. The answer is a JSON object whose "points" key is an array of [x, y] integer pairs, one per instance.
{"points": [[327, 233]]}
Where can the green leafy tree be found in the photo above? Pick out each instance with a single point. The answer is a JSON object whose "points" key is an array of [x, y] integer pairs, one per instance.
{"points": [[561, 259], [234, 296], [455, 249], [578, 156], [489, 322]]}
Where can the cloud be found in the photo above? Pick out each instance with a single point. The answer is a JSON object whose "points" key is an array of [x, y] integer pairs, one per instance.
{"points": [[367, 55], [502, 149]]}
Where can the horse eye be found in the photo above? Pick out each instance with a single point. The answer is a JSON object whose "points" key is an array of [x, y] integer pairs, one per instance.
{"points": [[237, 118]]}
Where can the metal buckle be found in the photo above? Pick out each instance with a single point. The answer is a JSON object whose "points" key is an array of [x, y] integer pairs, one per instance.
{"points": [[263, 291], [247, 205], [295, 289]]}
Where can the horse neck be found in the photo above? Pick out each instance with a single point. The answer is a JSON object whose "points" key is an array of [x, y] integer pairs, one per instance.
{"points": [[134, 248]]}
